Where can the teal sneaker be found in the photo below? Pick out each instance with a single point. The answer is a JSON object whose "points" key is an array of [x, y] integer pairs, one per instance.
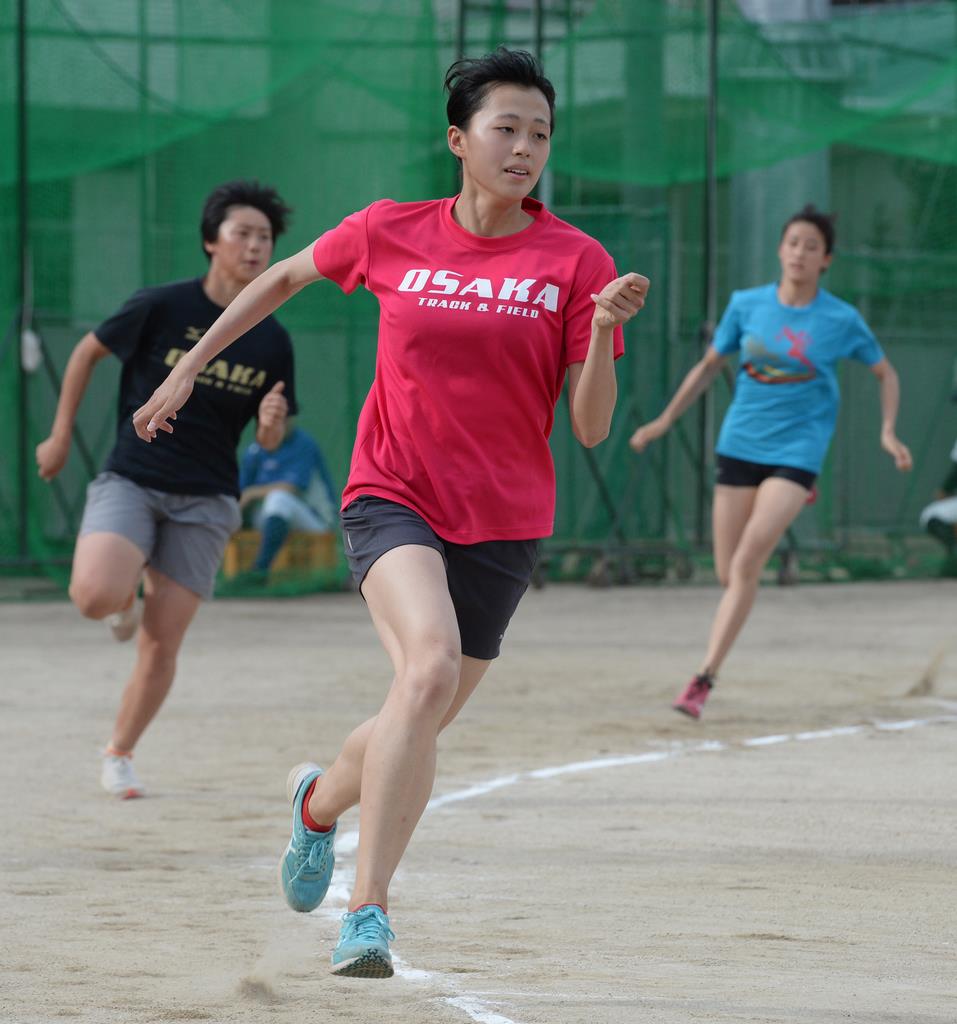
{"points": [[363, 948], [306, 867]]}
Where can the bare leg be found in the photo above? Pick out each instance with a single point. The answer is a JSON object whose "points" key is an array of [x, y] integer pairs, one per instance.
{"points": [[168, 609], [106, 572], [776, 506], [730, 512], [407, 594], [338, 789]]}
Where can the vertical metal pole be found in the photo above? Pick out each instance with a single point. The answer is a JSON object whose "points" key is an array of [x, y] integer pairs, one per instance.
{"points": [[23, 194], [710, 266], [576, 187], [711, 170], [546, 185], [146, 156], [460, 30], [460, 44]]}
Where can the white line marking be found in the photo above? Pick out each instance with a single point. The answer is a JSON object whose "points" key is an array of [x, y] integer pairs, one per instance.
{"points": [[348, 842], [467, 794], [826, 734], [603, 762], [766, 741], [403, 970], [478, 1009], [707, 745]]}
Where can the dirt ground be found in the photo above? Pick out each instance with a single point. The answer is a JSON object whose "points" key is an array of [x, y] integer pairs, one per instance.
{"points": [[673, 872]]}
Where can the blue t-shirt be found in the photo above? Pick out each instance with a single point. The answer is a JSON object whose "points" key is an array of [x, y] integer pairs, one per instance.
{"points": [[293, 462], [786, 393]]}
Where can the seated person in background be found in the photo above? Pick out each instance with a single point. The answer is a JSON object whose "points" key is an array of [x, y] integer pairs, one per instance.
{"points": [[286, 489], [939, 518]]}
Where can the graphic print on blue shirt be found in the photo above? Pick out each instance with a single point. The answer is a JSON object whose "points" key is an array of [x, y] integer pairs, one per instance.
{"points": [[769, 367], [786, 392]]}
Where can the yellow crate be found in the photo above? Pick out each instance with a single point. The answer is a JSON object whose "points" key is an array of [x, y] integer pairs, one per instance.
{"points": [[303, 551]]}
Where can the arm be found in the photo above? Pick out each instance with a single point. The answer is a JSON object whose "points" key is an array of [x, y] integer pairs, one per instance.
{"points": [[890, 402], [592, 388], [254, 303], [698, 379], [271, 419], [52, 453]]}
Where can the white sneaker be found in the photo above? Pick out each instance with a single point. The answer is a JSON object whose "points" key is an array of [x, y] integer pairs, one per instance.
{"points": [[118, 777], [125, 623]]}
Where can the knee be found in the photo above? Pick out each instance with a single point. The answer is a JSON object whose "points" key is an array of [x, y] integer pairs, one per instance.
{"points": [[157, 655], [430, 680], [278, 503], [92, 600], [745, 568], [724, 576]]}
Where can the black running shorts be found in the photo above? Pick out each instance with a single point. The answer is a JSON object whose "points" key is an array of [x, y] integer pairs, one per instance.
{"points": [[740, 473], [486, 580]]}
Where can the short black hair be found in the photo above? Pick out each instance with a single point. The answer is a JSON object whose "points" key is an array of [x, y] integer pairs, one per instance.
{"points": [[242, 192], [469, 81], [824, 222]]}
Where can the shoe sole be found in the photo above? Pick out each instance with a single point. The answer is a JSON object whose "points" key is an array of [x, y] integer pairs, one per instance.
{"points": [[293, 782], [685, 711], [372, 964]]}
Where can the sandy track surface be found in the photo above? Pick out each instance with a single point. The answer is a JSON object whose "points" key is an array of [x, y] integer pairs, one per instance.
{"points": [[680, 874]]}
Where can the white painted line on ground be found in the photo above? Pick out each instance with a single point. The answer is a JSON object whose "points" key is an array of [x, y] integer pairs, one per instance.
{"points": [[409, 973], [479, 1009], [348, 842], [472, 791], [826, 734], [767, 741], [907, 723], [602, 762], [705, 746]]}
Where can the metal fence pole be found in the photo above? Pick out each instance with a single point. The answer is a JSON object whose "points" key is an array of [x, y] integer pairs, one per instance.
{"points": [[710, 265], [23, 192]]}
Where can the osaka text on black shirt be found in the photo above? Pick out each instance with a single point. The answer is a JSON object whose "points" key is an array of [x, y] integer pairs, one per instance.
{"points": [[149, 335]]}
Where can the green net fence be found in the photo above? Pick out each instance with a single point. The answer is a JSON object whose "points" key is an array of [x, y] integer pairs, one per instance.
{"points": [[133, 110]]}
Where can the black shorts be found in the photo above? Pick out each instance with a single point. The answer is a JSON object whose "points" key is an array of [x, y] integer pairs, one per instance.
{"points": [[740, 473], [486, 580]]}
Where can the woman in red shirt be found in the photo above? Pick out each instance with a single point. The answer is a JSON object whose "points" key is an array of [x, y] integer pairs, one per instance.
{"points": [[487, 303]]}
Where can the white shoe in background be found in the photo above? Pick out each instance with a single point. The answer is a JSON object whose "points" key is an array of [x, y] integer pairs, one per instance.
{"points": [[118, 776], [125, 623]]}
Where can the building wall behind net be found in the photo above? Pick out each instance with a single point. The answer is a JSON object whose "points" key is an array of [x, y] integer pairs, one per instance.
{"points": [[136, 110]]}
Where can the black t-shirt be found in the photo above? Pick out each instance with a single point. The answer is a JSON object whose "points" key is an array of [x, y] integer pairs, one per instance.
{"points": [[149, 334]]}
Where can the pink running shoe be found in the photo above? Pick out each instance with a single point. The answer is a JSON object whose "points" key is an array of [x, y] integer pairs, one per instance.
{"points": [[693, 696]]}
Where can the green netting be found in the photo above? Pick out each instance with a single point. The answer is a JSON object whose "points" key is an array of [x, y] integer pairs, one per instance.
{"points": [[137, 108]]}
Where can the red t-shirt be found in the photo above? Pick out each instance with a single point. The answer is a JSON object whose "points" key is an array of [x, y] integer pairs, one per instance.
{"points": [[475, 335]]}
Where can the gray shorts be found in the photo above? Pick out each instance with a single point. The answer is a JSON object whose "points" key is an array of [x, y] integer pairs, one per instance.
{"points": [[183, 536]]}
